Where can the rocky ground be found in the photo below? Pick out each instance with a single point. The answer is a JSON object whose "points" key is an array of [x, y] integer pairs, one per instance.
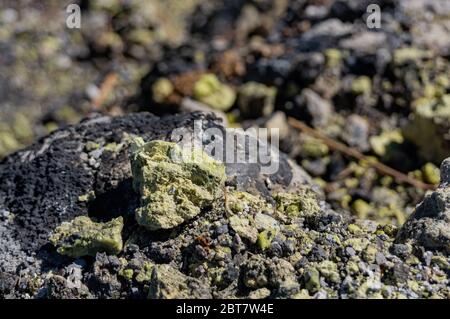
{"points": [[269, 236], [99, 210]]}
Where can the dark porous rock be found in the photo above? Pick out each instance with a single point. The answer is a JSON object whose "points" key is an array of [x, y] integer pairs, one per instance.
{"points": [[429, 225]]}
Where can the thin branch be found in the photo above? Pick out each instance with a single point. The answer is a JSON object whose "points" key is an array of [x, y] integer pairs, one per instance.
{"points": [[380, 167], [106, 87]]}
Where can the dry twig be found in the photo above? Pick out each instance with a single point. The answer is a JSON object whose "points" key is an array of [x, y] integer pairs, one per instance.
{"points": [[106, 87]]}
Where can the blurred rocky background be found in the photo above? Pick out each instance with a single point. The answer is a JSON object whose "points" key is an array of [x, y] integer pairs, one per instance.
{"points": [[383, 92]]}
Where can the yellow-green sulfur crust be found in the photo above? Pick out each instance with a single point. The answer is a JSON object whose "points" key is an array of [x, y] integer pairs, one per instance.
{"points": [[302, 203], [83, 237], [174, 184]]}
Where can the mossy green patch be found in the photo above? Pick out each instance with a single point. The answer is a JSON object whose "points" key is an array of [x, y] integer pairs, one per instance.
{"points": [[441, 262], [243, 202], [313, 148], [8, 143], [145, 273], [22, 127], [352, 267], [362, 85], [333, 58], [380, 143], [355, 229], [162, 89], [370, 253], [127, 273], [403, 55], [329, 271], [265, 239], [209, 90], [361, 208], [358, 244], [260, 293], [91, 146], [113, 147], [312, 280], [87, 197], [431, 173]]}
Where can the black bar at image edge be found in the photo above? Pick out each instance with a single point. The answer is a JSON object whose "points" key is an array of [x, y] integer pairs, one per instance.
{"points": [[215, 308]]}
